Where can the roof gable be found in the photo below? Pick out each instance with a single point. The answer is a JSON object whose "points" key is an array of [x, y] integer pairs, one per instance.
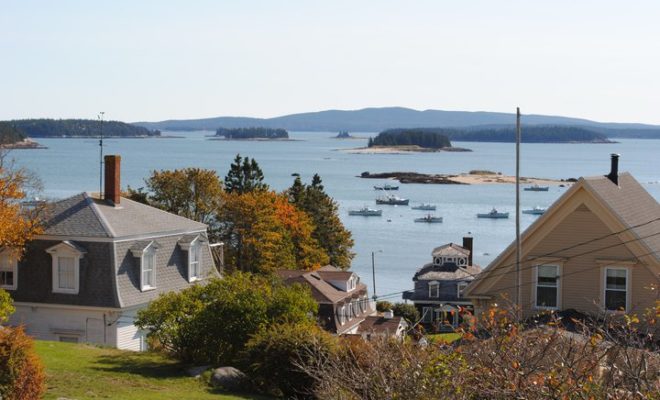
{"points": [[622, 208]]}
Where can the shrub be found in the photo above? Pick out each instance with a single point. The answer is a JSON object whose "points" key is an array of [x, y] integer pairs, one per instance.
{"points": [[382, 306], [274, 357], [408, 311], [21, 372]]}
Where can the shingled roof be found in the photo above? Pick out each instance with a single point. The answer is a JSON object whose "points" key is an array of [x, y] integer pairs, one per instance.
{"points": [[83, 215]]}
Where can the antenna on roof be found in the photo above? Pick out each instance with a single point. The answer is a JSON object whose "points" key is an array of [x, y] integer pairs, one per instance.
{"points": [[100, 116]]}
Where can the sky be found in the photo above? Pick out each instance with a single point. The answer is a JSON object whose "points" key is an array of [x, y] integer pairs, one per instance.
{"points": [[157, 60]]}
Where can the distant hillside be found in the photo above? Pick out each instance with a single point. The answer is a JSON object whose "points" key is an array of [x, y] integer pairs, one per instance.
{"points": [[380, 119], [252, 133], [507, 133], [79, 128], [9, 134]]}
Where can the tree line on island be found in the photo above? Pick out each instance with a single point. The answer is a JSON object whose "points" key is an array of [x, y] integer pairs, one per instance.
{"points": [[440, 137], [57, 128], [252, 133], [9, 134]]}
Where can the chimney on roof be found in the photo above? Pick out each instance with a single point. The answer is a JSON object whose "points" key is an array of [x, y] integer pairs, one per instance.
{"points": [[112, 191], [614, 171], [468, 244]]}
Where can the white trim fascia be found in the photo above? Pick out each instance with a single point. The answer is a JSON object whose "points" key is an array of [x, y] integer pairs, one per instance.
{"points": [[145, 236], [67, 306]]}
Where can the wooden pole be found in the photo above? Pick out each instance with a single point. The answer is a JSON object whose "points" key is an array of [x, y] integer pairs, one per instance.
{"points": [[518, 247]]}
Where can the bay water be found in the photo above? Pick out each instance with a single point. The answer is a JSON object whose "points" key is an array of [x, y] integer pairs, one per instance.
{"points": [[400, 246]]}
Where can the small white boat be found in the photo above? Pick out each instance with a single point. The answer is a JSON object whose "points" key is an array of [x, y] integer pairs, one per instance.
{"points": [[494, 214], [366, 212], [386, 186], [538, 210], [424, 206], [429, 219], [536, 188], [392, 200]]}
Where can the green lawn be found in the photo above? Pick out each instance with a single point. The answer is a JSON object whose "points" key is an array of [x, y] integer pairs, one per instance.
{"points": [[447, 337], [77, 371]]}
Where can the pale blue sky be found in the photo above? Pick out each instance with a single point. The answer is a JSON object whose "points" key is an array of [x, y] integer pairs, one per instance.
{"points": [[154, 60]]}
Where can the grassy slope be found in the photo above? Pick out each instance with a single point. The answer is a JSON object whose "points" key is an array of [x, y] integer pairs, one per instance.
{"points": [[86, 372]]}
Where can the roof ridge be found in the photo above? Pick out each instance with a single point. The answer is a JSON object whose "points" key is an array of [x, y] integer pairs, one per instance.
{"points": [[104, 223]]}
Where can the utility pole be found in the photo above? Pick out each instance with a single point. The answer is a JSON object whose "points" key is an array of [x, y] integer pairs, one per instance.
{"points": [[101, 156], [373, 273], [518, 248]]}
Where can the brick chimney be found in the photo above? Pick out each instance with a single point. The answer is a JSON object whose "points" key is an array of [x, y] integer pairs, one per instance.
{"points": [[614, 170], [468, 244], [112, 191]]}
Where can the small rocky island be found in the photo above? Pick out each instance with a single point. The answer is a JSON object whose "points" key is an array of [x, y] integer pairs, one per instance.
{"points": [[14, 138], [253, 133], [470, 178]]}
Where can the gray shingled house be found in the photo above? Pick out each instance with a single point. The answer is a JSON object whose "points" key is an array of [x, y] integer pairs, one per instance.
{"points": [[100, 260], [439, 285]]}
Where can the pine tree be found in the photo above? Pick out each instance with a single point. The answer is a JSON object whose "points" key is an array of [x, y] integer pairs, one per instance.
{"points": [[244, 176]]}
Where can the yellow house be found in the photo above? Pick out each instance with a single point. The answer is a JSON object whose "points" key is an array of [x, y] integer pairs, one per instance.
{"points": [[595, 250]]}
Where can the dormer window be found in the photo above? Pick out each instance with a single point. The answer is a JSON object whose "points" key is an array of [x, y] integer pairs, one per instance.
{"points": [[146, 253], [192, 244], [434, 289], [66, 267], [461, 261], [437, 261], [8, 271]]}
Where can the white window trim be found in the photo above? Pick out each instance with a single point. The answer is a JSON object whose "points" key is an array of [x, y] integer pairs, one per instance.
{"points": [[13, 263], [536, 283], [61, 251], [436, 285], [149, 250], [427, 314], [628, 287], [195, 246], [460, 286]]}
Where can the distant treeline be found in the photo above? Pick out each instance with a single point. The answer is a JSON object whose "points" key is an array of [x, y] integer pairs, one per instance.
{"points": [[79, 128], [9, 134], [427, 138], [530, 134], [252, 133]]}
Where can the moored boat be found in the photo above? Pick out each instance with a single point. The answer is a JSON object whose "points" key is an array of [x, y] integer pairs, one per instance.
{"points": [[424, 206], [431, 219], [536, 188], [366, 212], [494, 214], [538, 210], [392, 200], [386, 186]]}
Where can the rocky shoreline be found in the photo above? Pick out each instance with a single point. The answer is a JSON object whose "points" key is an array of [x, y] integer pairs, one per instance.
{"points": [[402, 149], [23, 144], [471, 178]]}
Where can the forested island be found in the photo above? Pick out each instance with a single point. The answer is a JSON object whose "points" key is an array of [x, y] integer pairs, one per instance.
{"points": [[252, 133], [13, 138], [60, 128], [424, 138], [530, 134]]}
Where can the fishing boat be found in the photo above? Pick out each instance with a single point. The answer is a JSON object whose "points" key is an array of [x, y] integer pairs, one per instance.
{"points": [[366, 212], [538, 210], [536, 188], [392, 200], [429, 219], [424, 206], [494, 214], [386, 186]]}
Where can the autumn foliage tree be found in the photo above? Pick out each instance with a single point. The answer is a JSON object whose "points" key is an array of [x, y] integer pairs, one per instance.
{"points": [[328, 231], [263, 232]]}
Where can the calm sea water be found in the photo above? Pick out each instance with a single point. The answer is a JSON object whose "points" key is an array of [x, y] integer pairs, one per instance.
{"points": [[401, 246]]}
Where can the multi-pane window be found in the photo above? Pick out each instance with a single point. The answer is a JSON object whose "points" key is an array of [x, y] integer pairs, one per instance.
{"points": [[616, 280], [460, 287], [7, 272], [148, 273], [547, 286], [194, 264], [66, 273], [434, 289], [427, 314]]}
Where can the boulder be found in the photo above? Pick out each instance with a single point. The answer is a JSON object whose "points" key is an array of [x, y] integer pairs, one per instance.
{"points": [[228, 378], [197, 371]]}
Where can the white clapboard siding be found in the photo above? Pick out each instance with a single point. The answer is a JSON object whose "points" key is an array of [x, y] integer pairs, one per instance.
{"points": [[129, 337]]}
